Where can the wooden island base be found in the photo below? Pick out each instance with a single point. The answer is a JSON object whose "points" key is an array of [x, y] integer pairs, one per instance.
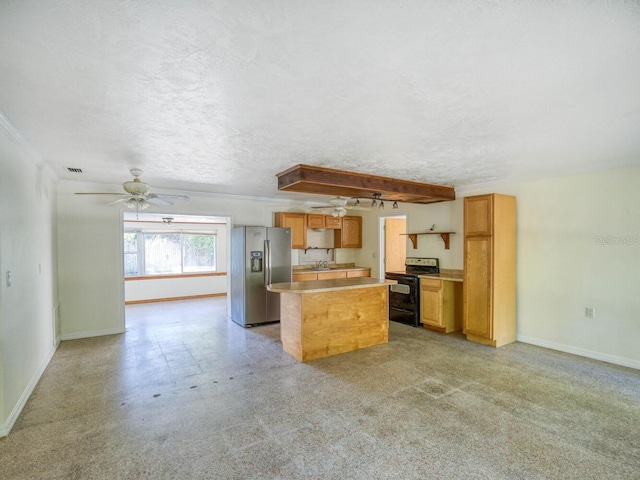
{"points": [[324, 318]]}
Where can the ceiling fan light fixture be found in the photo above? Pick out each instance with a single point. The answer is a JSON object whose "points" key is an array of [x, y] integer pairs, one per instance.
{"points": [[339, 212], [137, 203]]}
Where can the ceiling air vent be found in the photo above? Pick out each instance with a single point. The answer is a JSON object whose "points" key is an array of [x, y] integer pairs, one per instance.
{"points": [[74, 170]]}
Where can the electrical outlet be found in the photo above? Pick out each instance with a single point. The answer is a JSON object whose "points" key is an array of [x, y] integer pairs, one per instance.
{"points": [[590, 312]]}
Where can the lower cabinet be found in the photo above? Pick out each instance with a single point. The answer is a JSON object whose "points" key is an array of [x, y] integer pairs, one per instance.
{"points": [[441, 305], [329, 275], [303, 277], [359, 273]]}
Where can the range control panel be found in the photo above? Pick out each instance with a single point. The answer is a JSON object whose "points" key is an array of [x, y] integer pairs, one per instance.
{"points": [[421, 262]]}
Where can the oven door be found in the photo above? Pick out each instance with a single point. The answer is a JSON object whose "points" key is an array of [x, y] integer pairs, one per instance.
{"points": [[403, 301]]}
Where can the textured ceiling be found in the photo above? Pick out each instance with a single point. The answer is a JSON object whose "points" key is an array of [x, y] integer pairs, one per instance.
{"points": [[219, 96]]}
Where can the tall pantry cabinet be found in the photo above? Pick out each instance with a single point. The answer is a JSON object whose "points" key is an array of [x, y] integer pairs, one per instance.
{"points": [[489, 310]]}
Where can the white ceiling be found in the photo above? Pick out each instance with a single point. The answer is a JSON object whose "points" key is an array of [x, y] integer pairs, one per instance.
{"points": [[219, 96]]}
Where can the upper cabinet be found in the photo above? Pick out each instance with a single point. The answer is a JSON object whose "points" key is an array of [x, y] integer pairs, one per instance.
{"points": [[315, 220], [297, 222], [347, 230], [350, 235], [332, 222], [478, 215]]}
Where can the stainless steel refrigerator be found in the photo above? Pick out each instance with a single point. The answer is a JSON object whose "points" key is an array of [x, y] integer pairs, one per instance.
{"points": [[259, 256]]}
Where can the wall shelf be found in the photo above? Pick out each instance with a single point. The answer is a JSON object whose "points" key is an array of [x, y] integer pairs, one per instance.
{"points": [[444, 235]]}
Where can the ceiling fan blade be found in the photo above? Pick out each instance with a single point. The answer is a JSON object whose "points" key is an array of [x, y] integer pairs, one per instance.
{"points": [[120, 200], [162, 196], [157, 201], [102, 193]]}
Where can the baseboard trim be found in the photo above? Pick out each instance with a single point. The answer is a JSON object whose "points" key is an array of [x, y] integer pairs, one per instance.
{"points": [[96, 333], [6, 427], [582, 352], [171, 299]]}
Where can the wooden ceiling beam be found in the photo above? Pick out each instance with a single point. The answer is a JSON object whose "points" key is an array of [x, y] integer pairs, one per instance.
{"points": [[327, 181]]}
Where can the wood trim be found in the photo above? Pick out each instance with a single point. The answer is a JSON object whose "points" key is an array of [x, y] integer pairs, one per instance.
{"points": [[327, 181], [184, 275], [170, 299]]}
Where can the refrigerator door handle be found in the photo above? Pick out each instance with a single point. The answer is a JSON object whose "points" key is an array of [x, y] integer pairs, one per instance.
{"points": [[267, 262]]}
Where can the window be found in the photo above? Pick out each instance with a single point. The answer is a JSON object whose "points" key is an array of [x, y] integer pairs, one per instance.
{"points": [[198, 253], [130, 254], [153, 253]]}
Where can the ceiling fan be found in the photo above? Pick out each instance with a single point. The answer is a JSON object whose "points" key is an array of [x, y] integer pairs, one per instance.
{"points": [[340, 205], [137, 194]]}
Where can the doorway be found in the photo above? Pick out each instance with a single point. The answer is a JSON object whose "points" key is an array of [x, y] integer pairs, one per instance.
{"points": [[173, 258], [393, 245]]}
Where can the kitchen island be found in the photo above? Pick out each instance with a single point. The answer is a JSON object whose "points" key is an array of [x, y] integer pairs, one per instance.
{"points": [[326, 317]]}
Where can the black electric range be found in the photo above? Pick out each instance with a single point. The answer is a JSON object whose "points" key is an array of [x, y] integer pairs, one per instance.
{"points": [[404, 297]]}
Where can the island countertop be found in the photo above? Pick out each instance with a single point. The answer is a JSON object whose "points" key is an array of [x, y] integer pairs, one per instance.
{"points": [[315, 286]]}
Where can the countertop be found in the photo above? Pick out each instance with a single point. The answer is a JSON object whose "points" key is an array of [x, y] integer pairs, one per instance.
{"points": [[336, 268], [450, 275], [336, 284]]}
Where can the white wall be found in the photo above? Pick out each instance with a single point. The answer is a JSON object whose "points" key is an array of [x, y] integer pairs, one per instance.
{"points": [[146, 289], [90, 273], [564, 261], [27, 249], [564, 264], [447, 216]]}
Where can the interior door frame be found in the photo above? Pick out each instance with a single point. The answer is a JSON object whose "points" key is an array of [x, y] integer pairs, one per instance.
{"points": [[229, 227], [381, 242]]}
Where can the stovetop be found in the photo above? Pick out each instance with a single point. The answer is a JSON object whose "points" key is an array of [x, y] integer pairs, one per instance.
{"points": [[415, 266]]}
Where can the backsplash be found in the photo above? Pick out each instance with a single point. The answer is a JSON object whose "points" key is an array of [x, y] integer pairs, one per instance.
{"points": [[321, 238]]}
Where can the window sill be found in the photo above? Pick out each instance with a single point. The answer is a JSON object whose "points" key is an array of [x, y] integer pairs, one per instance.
{"points": [[179, 275]]}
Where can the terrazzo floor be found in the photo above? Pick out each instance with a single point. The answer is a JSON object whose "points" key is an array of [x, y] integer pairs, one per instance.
{"points": [[188, 394]]}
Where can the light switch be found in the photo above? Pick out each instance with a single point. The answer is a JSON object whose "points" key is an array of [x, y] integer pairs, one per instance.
{"points": [[9, 279]]}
